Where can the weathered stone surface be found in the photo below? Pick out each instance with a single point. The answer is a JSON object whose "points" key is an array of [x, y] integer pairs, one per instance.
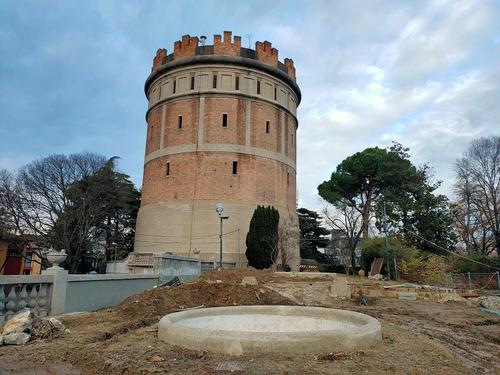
{"points": [[408, 296], [249, 280], [18, 323], [490, 302], [19, 338], [1, 340], [340, 288]]}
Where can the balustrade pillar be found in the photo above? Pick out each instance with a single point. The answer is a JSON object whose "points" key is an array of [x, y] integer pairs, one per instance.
{"points": [[59, 286]]}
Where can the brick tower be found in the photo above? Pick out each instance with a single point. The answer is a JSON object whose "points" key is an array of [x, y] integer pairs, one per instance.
{"points": [[221, 127]]}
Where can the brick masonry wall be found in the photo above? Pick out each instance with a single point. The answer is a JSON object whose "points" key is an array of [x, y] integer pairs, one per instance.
{"points": [[234, 133], [154, 130], [208, 176], [173, 135]]}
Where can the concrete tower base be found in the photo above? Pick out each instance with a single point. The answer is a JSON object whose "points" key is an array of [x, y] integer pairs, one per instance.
{"points": [[192, 229]]}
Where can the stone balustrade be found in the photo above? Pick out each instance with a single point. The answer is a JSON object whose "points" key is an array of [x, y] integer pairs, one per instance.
{"points": [[20, 292], [57, 292]]}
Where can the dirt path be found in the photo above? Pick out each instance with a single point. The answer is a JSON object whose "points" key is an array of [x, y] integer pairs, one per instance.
{"points": [[419, 337]]}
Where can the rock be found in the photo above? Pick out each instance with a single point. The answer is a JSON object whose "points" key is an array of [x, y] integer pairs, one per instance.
{"points": [[376, 277], [57, 324], [490, 302], [156, 358], [249, 280], [18, 323], [361, 273], [1, 340], [19, 338], [451, 297]]}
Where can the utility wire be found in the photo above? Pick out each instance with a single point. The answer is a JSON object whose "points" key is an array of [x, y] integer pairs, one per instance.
{"points": [[451, 252]]}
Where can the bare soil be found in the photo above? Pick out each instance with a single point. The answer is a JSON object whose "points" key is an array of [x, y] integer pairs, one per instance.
{"points": [[420, 337]]}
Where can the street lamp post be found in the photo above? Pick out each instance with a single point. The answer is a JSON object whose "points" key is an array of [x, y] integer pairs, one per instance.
{"points": [[219, 208]]}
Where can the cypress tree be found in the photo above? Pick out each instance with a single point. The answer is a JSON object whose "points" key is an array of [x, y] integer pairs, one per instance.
{"points": [[262, 237]]}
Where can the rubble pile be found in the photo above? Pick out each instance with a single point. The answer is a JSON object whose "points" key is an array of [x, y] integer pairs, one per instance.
{"points": [[25, 326]]}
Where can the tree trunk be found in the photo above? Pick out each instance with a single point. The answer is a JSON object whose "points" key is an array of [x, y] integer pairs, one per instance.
{"points": [[366, 214]]}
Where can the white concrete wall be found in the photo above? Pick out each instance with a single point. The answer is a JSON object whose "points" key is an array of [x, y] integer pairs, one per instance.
{"points": [[169, 266], [119, 266]]}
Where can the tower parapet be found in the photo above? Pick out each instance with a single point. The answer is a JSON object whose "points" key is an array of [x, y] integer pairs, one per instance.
{"points": [[189, 46]]}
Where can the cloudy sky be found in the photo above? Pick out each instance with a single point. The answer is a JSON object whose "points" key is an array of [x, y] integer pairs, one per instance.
{"points": [[423, 73]]}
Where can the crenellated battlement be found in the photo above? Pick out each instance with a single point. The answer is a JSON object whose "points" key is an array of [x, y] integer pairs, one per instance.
{"points": [[160, 56], [266, 53], [290, 67], [185, 47], [225, 46]]}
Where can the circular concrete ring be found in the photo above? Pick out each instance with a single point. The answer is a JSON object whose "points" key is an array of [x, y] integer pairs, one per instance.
{"points": [[238, 330]]}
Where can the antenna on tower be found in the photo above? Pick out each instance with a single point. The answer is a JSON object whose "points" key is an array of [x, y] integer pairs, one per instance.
{"points": [[249, 37], [203, 39]]}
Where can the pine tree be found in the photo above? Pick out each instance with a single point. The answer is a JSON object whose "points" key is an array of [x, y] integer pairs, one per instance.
{"points": [[262, 237], [311, 234]]}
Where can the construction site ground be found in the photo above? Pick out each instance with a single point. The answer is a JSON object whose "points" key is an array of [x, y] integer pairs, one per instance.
{"points": [[419, 337]]}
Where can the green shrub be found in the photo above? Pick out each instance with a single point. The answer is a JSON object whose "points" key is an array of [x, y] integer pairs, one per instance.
{"points": [[424, 268]]}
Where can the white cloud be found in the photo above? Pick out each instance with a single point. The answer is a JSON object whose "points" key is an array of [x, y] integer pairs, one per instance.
{"points": [[423, 76]]}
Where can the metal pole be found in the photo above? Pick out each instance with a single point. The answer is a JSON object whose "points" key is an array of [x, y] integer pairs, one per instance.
{"points": [[498, 280], [220, 251], [468, 275], [239, 260], [387, 245]]}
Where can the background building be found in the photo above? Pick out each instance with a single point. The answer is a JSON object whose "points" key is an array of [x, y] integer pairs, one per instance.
{"points": [[19, 257], [221, 127]]}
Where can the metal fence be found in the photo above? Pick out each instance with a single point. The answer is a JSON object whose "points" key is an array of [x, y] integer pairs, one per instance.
{"points": [[475, 280]]}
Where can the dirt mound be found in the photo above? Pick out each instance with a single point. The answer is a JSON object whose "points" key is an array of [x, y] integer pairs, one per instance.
{"points": [[157, 302], [236, 275]]}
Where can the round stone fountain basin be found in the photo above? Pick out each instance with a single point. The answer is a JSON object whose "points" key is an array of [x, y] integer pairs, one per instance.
{"points": [[238, 330]]}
